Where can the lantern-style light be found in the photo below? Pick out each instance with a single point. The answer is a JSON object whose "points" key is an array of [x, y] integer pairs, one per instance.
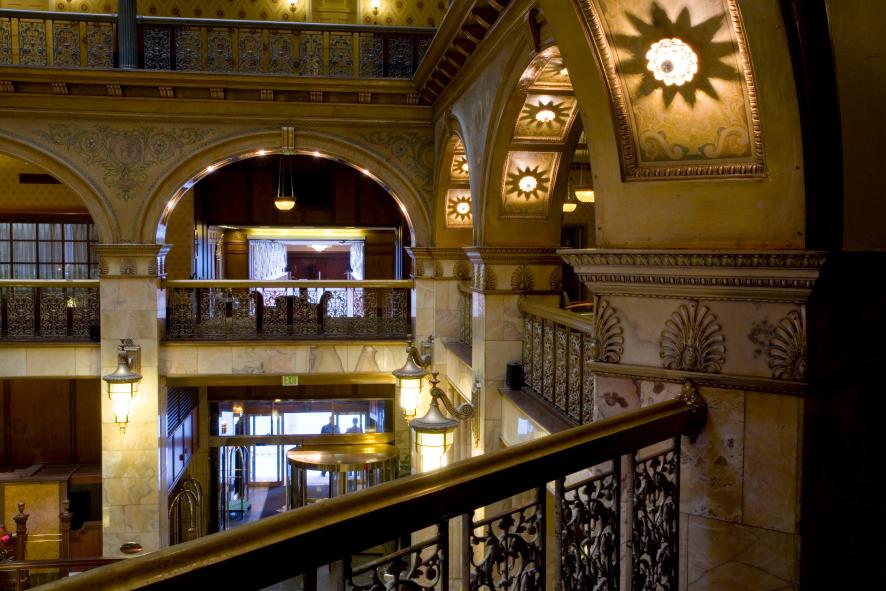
{"points": [[123, 382], [434, 432], [409, 377]]}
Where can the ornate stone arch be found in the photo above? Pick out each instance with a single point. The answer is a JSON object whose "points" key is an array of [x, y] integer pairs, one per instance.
{"points": [[453, 198], [165, 194], [62, 170]]}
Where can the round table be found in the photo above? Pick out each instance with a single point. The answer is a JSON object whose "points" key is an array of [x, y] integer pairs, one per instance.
{"points": [[347, 467]]}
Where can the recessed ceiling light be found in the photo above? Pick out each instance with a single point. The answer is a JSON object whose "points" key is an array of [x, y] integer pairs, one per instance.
{"points": [[672, 61]]}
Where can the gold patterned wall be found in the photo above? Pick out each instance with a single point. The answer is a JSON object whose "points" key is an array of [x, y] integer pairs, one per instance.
{"points": [[180, 233], [705, 125], [407, 13], [15, 196]]}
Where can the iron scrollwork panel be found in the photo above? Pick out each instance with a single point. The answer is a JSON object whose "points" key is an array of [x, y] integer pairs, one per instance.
{"points": [[590, 533], [187, 48], [181, 315], [280, 52], [53, 312], [5, 41], [20, 304], [66, 44], [157, 48], [400, 63], [656, 520], [85, 311], [573, 405], [32, 42], [220, 50], [512, 549], [527, 349], [537, 357], [420, 567], [561, 376], [371, 55], [249, 50], [100, 45], [341, 54], [548, 356], [587, 385], [311, 54]]}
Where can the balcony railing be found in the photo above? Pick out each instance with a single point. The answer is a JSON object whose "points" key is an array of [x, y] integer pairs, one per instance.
{"points": [[558, 347], [79, 40], [228, 309], [49, 310], [616, 522]]}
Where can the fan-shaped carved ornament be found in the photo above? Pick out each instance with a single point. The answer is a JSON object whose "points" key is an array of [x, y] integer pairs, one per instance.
{"points": [[693, 340], [787, 347], [607, 340], [522, 279]]}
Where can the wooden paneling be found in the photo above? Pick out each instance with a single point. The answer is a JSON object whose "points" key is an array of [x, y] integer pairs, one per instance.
{"points": [[50, 421]]}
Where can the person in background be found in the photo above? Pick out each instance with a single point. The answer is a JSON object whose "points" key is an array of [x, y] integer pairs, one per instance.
{"points": [[354, 428], [330, 427]]}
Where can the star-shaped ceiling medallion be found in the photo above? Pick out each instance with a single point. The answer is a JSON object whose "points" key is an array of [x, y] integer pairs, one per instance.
{"points": [[664, 52]]}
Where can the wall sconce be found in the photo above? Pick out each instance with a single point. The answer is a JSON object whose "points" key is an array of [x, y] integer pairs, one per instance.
{"points": [[293, 4], [434, 431], [123, 383], [409, 376], [376, 4]]}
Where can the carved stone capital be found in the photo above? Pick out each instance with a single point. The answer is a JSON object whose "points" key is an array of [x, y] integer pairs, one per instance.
{"points": [[132, 260], [440, 263], [761, 276]]}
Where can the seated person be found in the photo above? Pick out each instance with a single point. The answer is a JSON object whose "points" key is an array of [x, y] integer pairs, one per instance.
{"points": [[354, 428]]}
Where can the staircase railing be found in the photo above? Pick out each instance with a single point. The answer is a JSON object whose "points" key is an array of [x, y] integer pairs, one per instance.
{"points": [[82, 40], [306, 309], [615, 512]]}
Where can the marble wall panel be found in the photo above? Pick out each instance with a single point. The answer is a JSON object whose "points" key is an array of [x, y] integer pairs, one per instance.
{"points": [[61, 361], [726, 555], [13, 361], [498, 355], [178, 360], [214, 360], [250, 360], [711, 468], [652, 392], [88, 361], [771, 461], [614, 396]]}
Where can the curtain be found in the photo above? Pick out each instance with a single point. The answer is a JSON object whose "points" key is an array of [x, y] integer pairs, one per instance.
{"points": [[356, 261], [267, 260]]}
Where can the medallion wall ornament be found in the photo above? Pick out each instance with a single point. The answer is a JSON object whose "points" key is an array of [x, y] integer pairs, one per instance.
{"points": [[693, 340], [556, 280], [125, 155], [461, 270], [787, 347], [522, 279], [607, 341]]}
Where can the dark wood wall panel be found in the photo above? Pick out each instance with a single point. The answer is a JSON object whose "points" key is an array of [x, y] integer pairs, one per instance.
{"points": [[50, 421]]}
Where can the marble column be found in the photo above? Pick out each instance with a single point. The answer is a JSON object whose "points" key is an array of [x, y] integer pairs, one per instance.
{"points": [[500, 277], [133, 502]]}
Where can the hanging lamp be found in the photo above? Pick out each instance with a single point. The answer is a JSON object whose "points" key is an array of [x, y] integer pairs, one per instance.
{"points": [[285, 198], [583, 192]]}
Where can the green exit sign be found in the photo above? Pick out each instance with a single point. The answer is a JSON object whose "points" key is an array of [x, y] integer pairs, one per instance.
{"points": [[290, 380]]}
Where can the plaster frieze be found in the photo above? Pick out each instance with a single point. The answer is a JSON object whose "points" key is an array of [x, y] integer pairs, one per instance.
{"points": [[762, 276]]}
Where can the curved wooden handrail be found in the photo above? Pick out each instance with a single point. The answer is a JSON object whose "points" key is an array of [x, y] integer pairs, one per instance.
{"points": [[558, 316], [280, 284], [259, 554], [75, 283]]}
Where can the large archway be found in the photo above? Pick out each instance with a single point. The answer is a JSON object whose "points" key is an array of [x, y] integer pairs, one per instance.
{"points": [[154, 217], [90, 197]]}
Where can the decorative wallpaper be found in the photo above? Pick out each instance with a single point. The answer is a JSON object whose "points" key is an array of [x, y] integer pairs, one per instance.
{"points": [[180, 233], [680, 81], [16, 196], [406, 13]]}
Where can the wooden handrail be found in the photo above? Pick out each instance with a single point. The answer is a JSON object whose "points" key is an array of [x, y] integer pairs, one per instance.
{"points": [[45, 15], [66, 563], [301, 26], [261, 553], [75, 283], [558, 316], [279, 284]]}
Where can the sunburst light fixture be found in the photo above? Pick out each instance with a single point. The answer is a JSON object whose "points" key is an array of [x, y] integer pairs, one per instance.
{"points": [[459, 208], [675, 56], [672, 61], [529, 183], [544, 114], [460, 165]]}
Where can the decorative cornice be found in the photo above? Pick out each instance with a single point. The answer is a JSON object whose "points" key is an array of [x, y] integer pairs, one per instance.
{"points": [[766, 276], [512, 255], [132, 261], [435, 253], [724, 381]]}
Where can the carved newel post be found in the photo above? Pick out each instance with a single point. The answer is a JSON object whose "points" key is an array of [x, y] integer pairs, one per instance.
{"points": [[21, 531], [65, 523]]}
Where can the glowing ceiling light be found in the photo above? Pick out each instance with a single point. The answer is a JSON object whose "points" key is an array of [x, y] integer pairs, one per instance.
{"points": [[672, 61], [210, 168], [319, 247], [261, 153], [317, 154], [463, 207], [365, 171], [545, 116], [528, 183], [465, 166], [584, 194]]}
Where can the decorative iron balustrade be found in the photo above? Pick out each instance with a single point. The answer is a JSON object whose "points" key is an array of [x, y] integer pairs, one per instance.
{"points": [[208, 310], [558, 347], [80, 40], [465, 307], [49, 310], [615, 513]]}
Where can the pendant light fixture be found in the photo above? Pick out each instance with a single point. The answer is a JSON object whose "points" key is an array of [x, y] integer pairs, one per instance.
{"points": [[285, 199], [583, 192]]}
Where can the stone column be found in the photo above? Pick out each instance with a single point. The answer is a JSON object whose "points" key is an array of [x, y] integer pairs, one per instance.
{"points": [[133, 501], [501, 276], [732, 325], [127, 34]]}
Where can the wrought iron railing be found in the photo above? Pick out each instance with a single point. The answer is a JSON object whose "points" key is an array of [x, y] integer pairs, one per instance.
{"points": [[558, 348], [49, 310], [229, 309], [465, 307], [617, 527], [72, 40]]}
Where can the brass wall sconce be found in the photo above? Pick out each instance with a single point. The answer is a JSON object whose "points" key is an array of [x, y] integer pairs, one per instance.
{"points": [[434, 431], [409, 376], [123, 382]]}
